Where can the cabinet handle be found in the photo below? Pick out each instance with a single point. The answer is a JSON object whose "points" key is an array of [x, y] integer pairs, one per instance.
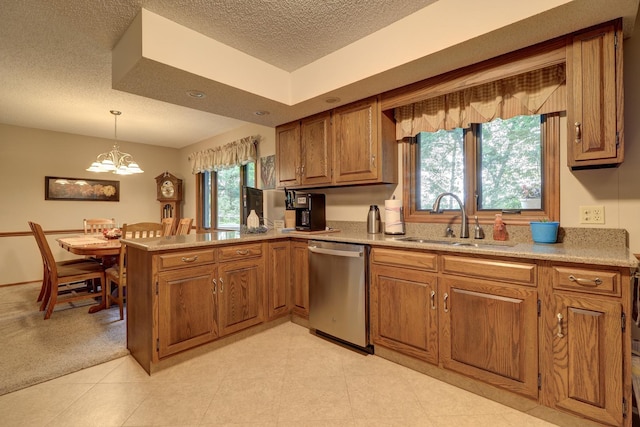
{"points": [[433, 300], [373, 160], [242, 251], [215, 286], [221, 285], [302, 171], [446, 305], [559, 334], [578, 126], [192, 259], [586, 282]]}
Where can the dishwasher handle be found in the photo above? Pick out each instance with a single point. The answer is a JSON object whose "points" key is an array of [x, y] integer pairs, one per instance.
{"points": [[335, 252]]}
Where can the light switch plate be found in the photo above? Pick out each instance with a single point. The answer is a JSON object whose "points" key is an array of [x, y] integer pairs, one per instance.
{"points": [[592, 214]]}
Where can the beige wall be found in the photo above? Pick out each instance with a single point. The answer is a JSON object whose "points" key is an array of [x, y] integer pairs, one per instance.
{"points": [[28, 155]]}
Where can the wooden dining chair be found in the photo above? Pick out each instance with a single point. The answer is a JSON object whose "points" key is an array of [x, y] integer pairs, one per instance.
{"points": [[80, 263], [168, 224], [118, 273], [184, 226], [64, 283], [98, 225]]}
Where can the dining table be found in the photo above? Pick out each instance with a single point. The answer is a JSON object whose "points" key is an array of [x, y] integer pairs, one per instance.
{"points": [[95, 246]]}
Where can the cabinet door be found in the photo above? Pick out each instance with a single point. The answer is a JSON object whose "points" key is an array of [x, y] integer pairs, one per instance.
{"points": [[315, 136], [300, 278], [187, 309], [587, 357], [403, 311], [240, 294], [356, 142], [279, 279], [593, 110], [288, 155], [490, 332]]}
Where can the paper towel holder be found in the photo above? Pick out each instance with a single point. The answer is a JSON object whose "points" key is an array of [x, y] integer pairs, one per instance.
{"points": [[388, 225]]}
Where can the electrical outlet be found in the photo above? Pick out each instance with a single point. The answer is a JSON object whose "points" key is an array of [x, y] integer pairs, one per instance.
{"points": [[592, 214]]}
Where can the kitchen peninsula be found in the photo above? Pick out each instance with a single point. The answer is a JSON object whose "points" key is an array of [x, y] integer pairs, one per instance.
{"points": [[546, 322]]}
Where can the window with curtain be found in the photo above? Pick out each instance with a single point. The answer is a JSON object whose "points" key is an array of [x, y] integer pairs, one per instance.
{"points": [[220, 175], [494, 145]]}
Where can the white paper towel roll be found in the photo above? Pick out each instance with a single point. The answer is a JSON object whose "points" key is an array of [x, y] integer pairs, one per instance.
{"points": [[393, 217]]}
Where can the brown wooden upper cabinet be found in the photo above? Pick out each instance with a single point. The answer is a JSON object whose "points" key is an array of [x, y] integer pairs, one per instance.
{"points": [[353, 144], [595, 98]]}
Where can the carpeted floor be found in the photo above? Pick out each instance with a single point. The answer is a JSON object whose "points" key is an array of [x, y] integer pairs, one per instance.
{"points": [[33, 350]]}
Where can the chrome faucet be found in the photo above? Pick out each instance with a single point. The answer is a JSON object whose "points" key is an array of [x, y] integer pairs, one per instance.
{"points": [[464, 227]]}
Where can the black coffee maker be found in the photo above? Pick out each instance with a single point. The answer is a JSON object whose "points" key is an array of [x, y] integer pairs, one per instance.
{"points": [[310, 212]]}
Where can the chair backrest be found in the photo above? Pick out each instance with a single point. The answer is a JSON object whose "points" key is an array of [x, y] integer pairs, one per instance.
{"points": [[184, 226], [168, 224], [142, 229], [98, 225], [48, 260]]}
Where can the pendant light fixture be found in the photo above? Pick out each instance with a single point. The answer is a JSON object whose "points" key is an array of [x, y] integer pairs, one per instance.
{"points": [[115, 161]]}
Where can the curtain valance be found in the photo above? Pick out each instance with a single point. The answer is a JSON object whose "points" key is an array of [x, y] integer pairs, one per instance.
{"points": [[536, 92], [235, 153]]}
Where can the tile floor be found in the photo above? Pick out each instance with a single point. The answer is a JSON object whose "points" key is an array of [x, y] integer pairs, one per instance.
{"points": [[281, 377]]}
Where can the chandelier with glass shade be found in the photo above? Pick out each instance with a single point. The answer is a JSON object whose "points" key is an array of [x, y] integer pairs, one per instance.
{"points": [[115, 161]]}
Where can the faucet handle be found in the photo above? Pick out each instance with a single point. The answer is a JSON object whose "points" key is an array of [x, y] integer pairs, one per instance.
{"points": [[479, 232], [449, 232]]}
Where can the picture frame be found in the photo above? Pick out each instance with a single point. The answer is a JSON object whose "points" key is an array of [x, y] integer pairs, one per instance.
{"points": [[81, 189], [267, 172]]}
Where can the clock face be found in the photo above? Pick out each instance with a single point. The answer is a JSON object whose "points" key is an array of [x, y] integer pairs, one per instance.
{"points": [[167, 189]]}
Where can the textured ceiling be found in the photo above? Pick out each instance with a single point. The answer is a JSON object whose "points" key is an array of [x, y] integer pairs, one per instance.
{"points": [[55, 56]]}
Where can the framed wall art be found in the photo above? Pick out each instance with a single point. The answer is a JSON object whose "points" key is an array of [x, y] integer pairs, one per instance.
{"points": [[100, 190], [268, 172]]}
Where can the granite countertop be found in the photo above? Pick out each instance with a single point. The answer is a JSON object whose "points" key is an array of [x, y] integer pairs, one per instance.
{"points": [[611, 252]]}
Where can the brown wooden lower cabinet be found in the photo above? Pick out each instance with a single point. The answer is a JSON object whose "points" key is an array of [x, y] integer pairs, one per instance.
{"points": [[187, 309], [554, 333], [181, 299], [489, 331], [587, 357], [279, 279], [300, 277], [403, 311], [240, 294]]}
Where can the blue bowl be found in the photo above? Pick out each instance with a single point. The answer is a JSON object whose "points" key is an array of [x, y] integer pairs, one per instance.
{"points": [[544, 232]]}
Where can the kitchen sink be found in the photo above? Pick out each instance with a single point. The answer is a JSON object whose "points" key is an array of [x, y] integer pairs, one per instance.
{"points": [[455, 242]]}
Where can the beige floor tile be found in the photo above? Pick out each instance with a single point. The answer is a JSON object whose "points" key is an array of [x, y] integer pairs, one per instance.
{"points": [[315, 362], [473, 420], [103, 405], [39, 404], [129, 371], [382, 397], [174, 404], [314, 399], [91, 375], [394, 422], [282, 377], [245, 400]]}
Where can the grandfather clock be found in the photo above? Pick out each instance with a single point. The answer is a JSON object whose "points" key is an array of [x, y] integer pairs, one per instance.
{"points": [[169, 192]]}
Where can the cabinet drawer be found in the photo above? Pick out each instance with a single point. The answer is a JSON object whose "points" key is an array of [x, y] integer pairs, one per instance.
{"points": [[511, 271], [186, 259], [410, 259], [239, 252], [589, 281]]}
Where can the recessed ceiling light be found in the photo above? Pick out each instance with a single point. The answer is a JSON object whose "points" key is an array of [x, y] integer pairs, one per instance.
{"points": [[332, 100], [261, 113], [196, 94]]}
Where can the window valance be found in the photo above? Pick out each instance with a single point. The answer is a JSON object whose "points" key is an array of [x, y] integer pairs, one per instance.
{"points": [[536, 92], [235, 153]]}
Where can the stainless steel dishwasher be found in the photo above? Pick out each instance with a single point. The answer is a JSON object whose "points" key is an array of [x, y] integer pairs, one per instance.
{"points": [[338, 305]]}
